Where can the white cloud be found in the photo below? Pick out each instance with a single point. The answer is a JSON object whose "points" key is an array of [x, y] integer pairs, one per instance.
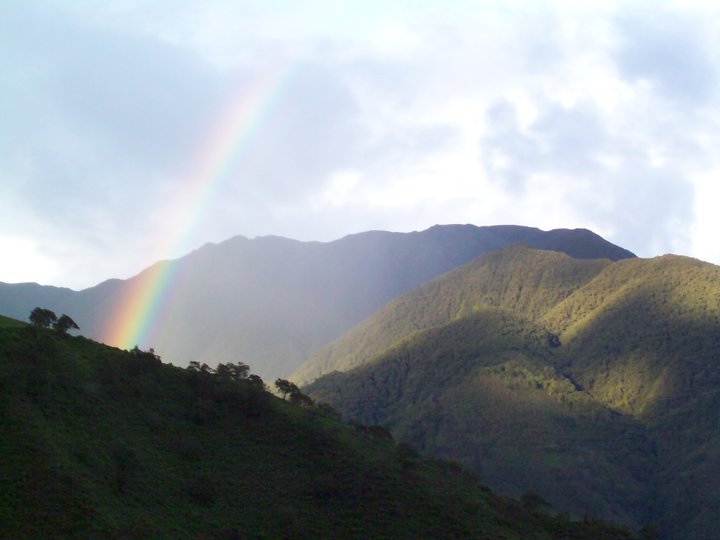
{"points": [[705, 243], [398, 116], [24, 261]]}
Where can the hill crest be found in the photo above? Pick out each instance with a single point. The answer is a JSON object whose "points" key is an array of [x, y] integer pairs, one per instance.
{"points": [[272, 302]]}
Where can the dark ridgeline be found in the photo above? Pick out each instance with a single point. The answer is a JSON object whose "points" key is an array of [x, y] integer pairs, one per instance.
{"points": [[273, 302]]}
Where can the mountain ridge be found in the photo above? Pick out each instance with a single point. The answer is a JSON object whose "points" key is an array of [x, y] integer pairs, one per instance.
{"points": [[639, 338], [458, 297], [272, 302]]}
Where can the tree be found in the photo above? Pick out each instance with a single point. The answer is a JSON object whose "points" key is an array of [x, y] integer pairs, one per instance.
{"points": [[407, 455], [298, 398], [328, 410], [64, 324], [256, 382], [286, 388], [379, 432], [232, 372], [42, 318], [197, 367]]}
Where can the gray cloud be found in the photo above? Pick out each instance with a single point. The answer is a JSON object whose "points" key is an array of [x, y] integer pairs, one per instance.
{"points": [[509, 154], [666, 49], [649, 207], [96, 113], [566, 140], [311, 130]]}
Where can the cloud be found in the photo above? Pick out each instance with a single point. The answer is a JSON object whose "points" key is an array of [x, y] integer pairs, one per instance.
{"points": [[601, 175], [666, 49], [94, 116], [395, 116], [311, 130], [27, 263]]}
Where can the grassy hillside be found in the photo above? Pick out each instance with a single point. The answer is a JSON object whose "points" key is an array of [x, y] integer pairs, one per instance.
{"points": [[101, 443], [640, 342], [7, 322]]}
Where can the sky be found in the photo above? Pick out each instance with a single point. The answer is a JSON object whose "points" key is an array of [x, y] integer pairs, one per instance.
{"points": [[136, 131]]}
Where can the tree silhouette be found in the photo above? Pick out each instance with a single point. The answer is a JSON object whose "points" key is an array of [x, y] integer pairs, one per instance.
{"points": [[298, 398], [232, 372], [42, 318], [256, 382], [64, 324], [534, 503], [197, 367], [286, 388]]}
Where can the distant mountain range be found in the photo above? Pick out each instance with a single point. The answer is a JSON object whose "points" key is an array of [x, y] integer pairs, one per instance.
{"points": [[273, 302], [596, 383]]}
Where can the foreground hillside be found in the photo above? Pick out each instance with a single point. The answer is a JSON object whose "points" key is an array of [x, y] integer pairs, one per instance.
{"points": [[273, 302], [101, 443], [543, 372]]}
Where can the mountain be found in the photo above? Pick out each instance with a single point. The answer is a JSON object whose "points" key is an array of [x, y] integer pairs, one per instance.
{"points": [[596, 383], [273, 302], [526, 280], [102, 443]]}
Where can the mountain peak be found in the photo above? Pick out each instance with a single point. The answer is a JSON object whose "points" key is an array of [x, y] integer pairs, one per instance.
{"points": [[272, 302]]}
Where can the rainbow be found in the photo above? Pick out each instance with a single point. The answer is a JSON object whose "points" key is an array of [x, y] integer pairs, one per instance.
{"points": [[137, 314]]}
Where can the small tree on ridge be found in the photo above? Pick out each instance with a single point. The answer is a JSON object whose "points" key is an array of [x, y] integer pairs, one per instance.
{"points": [[286, 388], [42, 318], [64, 324]]}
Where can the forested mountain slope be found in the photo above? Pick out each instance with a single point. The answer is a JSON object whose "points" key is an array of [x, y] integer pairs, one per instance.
{"points": [[101, 443], [614, 397], [517, 278], [482, 390]]}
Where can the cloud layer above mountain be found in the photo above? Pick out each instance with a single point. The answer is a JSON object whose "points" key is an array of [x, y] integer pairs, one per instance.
{"points": [[134, 131]]}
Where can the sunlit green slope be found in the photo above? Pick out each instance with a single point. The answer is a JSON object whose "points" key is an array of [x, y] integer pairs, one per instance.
{"points": [[518, 278], [639, 347], [644, 331], [644, 338], [101, 443]]}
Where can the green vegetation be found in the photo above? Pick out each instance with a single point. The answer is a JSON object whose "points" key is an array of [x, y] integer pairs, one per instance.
{"points": [[45, 318], [594, 384], [7, 322], [483, 391], [518, 278], [42, 318], [96, 442]]}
